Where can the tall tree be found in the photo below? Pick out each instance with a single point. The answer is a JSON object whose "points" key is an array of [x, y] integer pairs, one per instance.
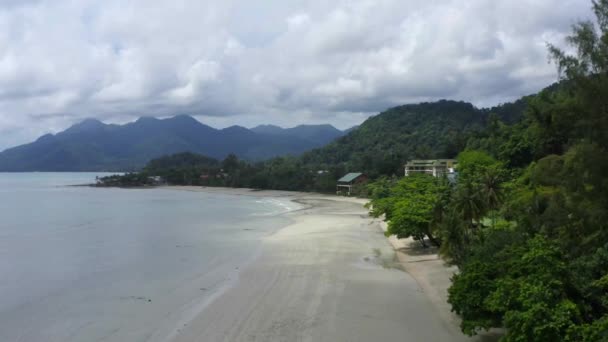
{"points": [[410, 207]]}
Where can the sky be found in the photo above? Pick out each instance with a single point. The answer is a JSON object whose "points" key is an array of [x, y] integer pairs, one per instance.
{"points": [[277, 62]]}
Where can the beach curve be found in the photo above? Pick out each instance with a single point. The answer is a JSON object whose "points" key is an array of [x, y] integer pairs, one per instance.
{"points": [[330, 275]]}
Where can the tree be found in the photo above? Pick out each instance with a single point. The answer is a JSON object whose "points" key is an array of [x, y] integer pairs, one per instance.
{"points": [[230, 163], [455, 238], [585, 76], [525, 290], [469, 203], [479, 188], [411, 207], [543, 276]]}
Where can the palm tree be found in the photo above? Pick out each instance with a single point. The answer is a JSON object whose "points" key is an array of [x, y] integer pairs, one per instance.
{"points": [[456, 237], [469, 203], [491, 187]]}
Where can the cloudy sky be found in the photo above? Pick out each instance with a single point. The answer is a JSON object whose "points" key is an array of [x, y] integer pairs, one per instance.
{"points": [[273, 61]]}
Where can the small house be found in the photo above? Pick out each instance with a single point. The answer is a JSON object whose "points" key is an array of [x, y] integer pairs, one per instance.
{"points": [[434, 167], [350, 183]]}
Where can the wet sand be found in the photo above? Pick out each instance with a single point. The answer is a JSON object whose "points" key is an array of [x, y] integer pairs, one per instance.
{"points": [[331, 275]]}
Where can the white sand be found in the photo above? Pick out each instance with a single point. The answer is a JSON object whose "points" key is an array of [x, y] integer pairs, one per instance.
{"points": [[329, 276]]}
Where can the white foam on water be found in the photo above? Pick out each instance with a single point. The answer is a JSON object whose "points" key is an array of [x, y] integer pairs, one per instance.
{"points": [[277, 206]]}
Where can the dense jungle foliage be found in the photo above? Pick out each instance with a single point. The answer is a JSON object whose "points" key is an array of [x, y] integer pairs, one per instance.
{"points": [[527, 221]]}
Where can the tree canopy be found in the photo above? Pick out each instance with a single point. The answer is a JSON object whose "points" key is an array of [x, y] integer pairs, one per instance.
{"points": [[527, 220]]}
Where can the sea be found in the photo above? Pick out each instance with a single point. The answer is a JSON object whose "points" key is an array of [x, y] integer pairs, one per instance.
{"points": [[81, 263]]}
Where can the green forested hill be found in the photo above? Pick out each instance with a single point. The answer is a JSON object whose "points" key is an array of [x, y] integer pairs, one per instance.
{"points": [[428, 130]]}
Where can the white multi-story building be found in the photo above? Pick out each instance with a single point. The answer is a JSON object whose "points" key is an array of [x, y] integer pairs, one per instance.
{"points": [[434, 167]]}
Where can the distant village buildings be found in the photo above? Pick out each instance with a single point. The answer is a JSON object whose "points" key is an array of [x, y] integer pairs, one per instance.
{"points": [[156, 180], [351, 183], [434, 167], [207, 176]]}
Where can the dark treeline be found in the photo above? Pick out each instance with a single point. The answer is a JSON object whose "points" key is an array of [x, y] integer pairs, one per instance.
{"points": [[527, 221], [283, 173]]}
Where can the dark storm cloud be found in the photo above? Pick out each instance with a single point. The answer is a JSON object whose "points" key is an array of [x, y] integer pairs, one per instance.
{"points": [[281, 62]]}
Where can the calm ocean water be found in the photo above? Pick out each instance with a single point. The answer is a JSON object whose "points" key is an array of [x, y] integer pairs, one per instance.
{"points": [[89, 264]]}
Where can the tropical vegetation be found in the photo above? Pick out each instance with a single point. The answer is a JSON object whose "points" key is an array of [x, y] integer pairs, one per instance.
{"points": [[526, 221]]}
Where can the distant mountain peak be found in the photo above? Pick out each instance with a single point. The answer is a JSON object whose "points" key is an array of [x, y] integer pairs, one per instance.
{"points": [[239, 130], [45, 137], [183, 118], [267, 129], [235, 128], [267, 126], [91, 121], [320, 127], [316, 126], [146, 119], [86, 125]]}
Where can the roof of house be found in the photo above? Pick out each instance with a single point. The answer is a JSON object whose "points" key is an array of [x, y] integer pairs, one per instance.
{"points": [[349, 177]]}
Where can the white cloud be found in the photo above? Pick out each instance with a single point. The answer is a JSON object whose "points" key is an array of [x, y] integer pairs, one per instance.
{"points": [[201, 73], [298, 21], [282, 62]]}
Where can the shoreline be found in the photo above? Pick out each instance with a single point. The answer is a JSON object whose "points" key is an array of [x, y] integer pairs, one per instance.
{"points": [[316, 217]]}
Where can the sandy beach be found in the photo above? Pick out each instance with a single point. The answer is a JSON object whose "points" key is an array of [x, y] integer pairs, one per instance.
{"points": [[330, 275]]}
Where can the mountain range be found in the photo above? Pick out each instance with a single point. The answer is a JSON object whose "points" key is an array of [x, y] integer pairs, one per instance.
{"points": [[378, 146], [92, 145]]}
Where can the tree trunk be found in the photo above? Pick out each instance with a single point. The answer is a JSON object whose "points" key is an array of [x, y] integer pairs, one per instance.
{"points": [[435, 241]]}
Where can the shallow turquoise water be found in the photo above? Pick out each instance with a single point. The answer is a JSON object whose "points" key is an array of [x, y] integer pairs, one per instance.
{"points": [[88, 264]]}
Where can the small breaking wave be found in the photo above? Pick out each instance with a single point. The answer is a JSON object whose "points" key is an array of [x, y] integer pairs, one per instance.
{"points": [[277, 206]]}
